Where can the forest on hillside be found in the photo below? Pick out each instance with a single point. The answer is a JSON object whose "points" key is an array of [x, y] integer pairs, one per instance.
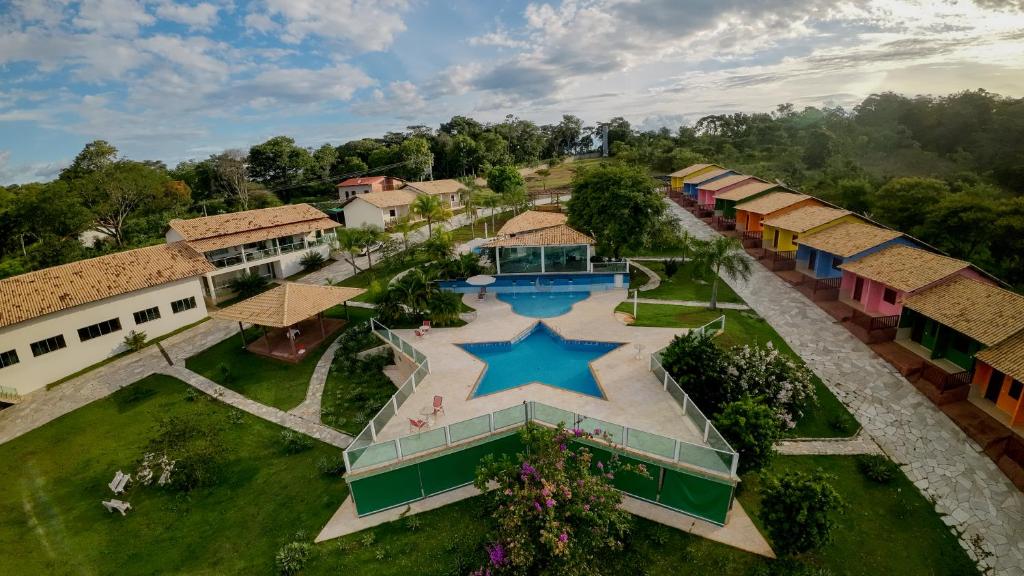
{"points": [[947, 169]]}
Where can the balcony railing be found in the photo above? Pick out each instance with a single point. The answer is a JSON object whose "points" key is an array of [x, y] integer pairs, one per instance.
{"points": [[823, 284], [610, 267], [259, 254], [943, 380], [286, 248], [225, 261]]}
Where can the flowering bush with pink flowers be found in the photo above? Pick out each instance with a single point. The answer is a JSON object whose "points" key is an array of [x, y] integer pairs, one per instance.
{"points": [[554, 507]]}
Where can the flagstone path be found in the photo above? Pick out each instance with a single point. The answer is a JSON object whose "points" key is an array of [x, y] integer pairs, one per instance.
{"points": [[978, 502]]}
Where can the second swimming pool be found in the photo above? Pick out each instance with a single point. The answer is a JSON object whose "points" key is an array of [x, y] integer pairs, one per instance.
{"points": [[542, 304]]}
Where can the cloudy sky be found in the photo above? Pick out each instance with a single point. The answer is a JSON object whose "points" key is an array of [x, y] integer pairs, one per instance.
{"points": [[178, 79]]}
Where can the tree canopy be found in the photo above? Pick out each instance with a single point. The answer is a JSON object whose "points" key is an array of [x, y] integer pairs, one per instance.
{"points": [[617, 204]]}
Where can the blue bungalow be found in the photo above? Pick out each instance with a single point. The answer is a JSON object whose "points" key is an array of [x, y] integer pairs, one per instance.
{"points": [[819, 255], [691, 184]]}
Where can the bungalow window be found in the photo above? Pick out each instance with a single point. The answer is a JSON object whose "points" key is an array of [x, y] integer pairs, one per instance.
{"points": [[184, 304], [49, 345], [147, 315], [392, 213], [1015, 389], [9, 358], [889, 295], [97, 330]]}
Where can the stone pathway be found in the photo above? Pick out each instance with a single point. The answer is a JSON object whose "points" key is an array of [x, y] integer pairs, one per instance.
{"points": [[695, 303], [653, 279], [42, 406], [280, 417], [979, 503], [310, 407], [859, 444]]}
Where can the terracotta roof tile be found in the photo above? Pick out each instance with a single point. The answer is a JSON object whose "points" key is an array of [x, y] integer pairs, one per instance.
{"points": [[716, 185], [690, 170], [221, 224], [806, 218], [287, 304], [705, 176], [362, 181], [531, 220], [62, 287], [389, 198], [260, 234], [551, 236], [984, 312], [1006, 356], [745, 191], [435, 187], [770, 202], [904, 267], [848, 238]]}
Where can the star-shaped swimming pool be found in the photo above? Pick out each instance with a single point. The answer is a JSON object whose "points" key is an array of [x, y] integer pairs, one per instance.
{"points": [[539, 355]]}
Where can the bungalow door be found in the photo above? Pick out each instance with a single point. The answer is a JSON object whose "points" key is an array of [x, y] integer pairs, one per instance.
{"points": [[812, 260], [995, 385], [775, 238], [858, 288]]}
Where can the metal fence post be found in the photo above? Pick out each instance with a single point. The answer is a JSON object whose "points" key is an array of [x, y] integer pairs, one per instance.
{"points": [[665, 383], [398, 447], [348, 463], [447, 437], [675, 456], [735, 462], [373, 431], [490, 421], [686, 401], [625, 436], [394, 404], [707, 428]]}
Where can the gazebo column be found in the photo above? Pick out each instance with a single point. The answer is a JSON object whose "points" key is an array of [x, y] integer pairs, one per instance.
{"points": [[266, 337], [323, 332], [241, 331], [291, 339]]}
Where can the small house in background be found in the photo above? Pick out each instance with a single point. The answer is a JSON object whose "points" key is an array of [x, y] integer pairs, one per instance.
{"points": [[820, 255], [952, 321], [727, 199], [378, 209], [348, 189], [999, 380], [449, 191], [751, 214], [676, 178], [692, 182], [707, 192]]}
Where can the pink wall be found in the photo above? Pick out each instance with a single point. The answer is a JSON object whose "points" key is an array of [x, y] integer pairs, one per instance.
{"points": [[705, 196], [871, 294]]}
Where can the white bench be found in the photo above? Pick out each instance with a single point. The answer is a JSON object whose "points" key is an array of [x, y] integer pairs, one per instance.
{"points": [[118, 505], [119, 482]]}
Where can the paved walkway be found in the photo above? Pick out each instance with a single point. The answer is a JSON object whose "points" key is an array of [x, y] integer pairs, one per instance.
{"points": [[286, 419], [310, 407], [42, 406], [859, 444], [653, 279], [695, 303], [983, 507]]}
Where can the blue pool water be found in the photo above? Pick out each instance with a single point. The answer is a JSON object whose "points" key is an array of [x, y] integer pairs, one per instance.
{"points": [[519, 283], [542, 304], [539, 355]]}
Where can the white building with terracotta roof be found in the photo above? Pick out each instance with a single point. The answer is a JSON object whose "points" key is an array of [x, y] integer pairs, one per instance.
{"points": [[540, 242], [352, 187], [57, 321], [378, 209], [270, 242]]}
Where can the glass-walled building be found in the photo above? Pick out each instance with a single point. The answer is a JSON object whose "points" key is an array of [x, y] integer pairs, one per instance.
{"points": [[540, 243]]}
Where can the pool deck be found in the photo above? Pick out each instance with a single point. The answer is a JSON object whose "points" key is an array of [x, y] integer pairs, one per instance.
{"points": [[634, 396]]}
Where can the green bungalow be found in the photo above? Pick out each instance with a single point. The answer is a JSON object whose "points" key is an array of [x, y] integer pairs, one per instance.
{"points": [[725, 202]]}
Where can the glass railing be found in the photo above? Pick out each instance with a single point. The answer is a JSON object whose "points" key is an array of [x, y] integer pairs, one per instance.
{"points": [[715, 457], [610, 267], [286, 248], [225, 261], [260, 254]]}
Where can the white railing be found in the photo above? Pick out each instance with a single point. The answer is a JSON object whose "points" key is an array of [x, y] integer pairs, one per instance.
{"points": [[225, 261], [286, 248], [366, 440], [259, 254], [9, 395], [711, 435], [717, 325], [688, 454]]}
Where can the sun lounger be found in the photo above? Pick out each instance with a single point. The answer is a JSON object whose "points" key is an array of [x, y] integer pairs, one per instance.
{"points": [[117, 485], [118, 505], [417, 424]]}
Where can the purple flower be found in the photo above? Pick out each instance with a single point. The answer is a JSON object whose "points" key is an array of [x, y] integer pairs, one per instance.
{"points": [[550, 502], [537, 506], [597, 431], [577, 432], [561, 447], [527, 469], [497, 554], [586, 507], [563, 537], [600, 465]]}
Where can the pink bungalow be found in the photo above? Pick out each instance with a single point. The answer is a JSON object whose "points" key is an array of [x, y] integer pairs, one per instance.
{"points": [[874, 287], [706, 192]]}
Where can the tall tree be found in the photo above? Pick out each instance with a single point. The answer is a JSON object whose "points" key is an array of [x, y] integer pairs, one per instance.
{"points": [[505, 179], [121, 190], [232, 181], [279, 164], [617, 204], [96, 156], [431, 209]]}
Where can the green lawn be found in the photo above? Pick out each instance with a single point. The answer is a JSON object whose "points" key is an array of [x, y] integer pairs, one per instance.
{"points": [[683, 286], [464, 234], [829, 419], [267, 381], [382, 272], [51, 520]]}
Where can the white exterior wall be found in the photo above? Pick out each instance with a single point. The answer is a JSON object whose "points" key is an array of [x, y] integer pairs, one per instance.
{"points": [[346, 192], [284, 264], [32, 373], [359, 212]]}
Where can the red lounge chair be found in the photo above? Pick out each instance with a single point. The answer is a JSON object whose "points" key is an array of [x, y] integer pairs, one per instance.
{"points": [[426, 326], [417, 424], [438, 405]]}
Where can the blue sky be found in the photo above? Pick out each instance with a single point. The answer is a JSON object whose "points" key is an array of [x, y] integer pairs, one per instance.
{"points": [[178, 79]]}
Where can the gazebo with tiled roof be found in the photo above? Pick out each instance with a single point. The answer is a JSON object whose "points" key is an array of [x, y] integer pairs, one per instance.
{"points": [[294, 315]]}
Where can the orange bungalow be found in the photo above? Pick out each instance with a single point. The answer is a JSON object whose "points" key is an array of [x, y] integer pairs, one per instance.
{"points": [[999, 380], [751, 214]]}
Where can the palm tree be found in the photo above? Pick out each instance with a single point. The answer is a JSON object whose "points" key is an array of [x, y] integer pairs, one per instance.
{"points": [[367, 237], [688, 244], [440, 247], [492, 201], [429, 208], [444, 308], [349, 240], [404, 226], [721, 255], [471, 201]]}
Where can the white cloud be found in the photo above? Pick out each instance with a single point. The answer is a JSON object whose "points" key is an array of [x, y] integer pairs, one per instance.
{"points": [[402, 99], [114, 17], [201, 16], [30, 172], [301, 85], [365, 25], [499, 38]]}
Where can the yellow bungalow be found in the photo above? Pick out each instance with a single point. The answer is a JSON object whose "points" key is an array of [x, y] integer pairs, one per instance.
{"points": [[676, 178], [781, 232]]}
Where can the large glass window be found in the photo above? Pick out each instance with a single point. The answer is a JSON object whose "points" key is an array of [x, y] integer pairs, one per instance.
{"points": [[519, 259], [565, 258], [49, 345], [97, 330]]}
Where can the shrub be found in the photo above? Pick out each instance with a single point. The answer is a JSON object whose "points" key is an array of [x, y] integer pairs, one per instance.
{"points": [[135, 341], [444, 308], [331, 465], [765, 372], [555, 510], [194, 441], [671, 267], [843, 424], [700, 367], [752, 428], [248, 285], [224, 370], [295, 442], [877, 468], [292, 557], [312, 260], [797, 509]]}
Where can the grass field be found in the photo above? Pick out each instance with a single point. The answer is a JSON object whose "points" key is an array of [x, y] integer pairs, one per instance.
{"points": [[561, 175], [829, 419], [51, 520], [465, 233], [684, 286]]}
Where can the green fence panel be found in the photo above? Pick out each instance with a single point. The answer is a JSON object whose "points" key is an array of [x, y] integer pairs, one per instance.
{"points": [[695, 495], [635, 484], [459, 468], [386, 490]]}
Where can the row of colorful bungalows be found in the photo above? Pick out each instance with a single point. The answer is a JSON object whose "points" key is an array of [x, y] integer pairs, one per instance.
{"points": [[963, 325]]}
